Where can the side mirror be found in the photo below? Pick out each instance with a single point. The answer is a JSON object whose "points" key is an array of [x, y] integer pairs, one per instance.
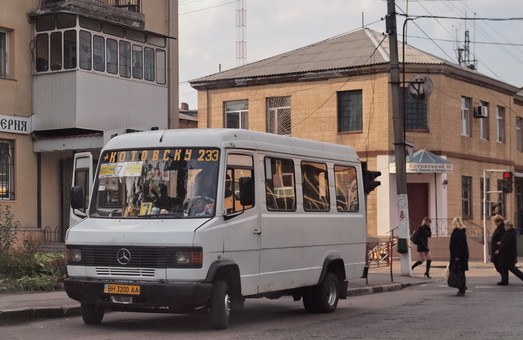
{"points": [[246, 191], [77, 197]]}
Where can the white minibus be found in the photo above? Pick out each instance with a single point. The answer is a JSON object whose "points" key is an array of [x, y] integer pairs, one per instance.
{"points": [[198, 220]]}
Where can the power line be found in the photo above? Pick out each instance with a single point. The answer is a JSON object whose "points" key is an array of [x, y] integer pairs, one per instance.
{"points": [[459, 18]]}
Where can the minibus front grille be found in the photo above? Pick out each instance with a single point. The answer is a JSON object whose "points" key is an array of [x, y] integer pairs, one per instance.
{"points": [[124, 271], [130, 256]]}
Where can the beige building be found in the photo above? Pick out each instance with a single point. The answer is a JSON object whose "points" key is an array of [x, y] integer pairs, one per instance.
{"points": [[338, 91], [73, 73]]}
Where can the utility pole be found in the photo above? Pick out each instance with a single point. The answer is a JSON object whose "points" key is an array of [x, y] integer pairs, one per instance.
{"points": [[399, 141]]}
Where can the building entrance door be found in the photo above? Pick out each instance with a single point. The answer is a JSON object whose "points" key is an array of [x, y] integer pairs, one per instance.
{"points": [[418, 195]]}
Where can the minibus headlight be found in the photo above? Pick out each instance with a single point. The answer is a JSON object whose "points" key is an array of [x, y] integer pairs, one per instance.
{"points": [[188, 257], [74, 255]]}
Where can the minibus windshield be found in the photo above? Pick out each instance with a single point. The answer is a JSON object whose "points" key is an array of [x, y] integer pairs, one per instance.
{"points": [[156, 183]]}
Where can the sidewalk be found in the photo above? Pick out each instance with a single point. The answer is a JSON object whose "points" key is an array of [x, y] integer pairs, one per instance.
{"points": [[25, 307]]}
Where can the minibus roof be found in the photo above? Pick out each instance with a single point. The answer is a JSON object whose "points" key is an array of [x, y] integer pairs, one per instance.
{"points": [[231, 138]]}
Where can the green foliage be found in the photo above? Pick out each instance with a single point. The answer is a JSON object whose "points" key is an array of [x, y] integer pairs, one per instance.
{"points": [[8, 229], [22, 267]]}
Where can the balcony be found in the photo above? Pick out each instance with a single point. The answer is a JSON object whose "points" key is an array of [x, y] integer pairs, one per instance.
{"points": [[124, 12]]}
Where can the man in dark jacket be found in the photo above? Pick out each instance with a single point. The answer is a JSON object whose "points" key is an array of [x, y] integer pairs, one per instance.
{"points": [[496, 239], [507, 254]]}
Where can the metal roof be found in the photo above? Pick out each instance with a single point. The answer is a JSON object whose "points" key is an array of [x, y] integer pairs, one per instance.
{"points": [[363, 47]]}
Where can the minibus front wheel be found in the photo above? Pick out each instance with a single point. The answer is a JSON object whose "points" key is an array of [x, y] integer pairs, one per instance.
{"points": [[220, 309], [92, 314]]}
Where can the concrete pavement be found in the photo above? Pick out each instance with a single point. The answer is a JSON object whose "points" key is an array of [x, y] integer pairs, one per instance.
{"points": [[25, 307]]}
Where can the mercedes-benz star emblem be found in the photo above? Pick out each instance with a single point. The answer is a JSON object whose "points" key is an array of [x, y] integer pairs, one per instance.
{"points": [[123, 256]]}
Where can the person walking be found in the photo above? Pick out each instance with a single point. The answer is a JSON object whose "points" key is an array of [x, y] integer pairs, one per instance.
{"points": [[459, 251], [508, 254], [421, 238], [497, 235]]}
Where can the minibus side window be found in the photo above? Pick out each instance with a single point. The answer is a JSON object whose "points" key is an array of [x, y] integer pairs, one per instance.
{"points": [[279, 184], [315, 186], [238, 166], [346, 188]]}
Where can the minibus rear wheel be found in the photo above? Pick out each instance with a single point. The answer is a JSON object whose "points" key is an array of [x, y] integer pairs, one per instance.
{"points": [[220, 310], [92, 314], [322, 298]]}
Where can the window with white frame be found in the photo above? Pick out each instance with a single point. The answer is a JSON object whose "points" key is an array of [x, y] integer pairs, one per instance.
{"points": [[279, 115], [500, 124], [236, 114], [465, 116], [519, 134], [4, 45], [6, 170], [484, 125]]}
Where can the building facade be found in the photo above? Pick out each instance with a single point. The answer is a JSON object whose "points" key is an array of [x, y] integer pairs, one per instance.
{"points": [[338, 91], [73, 73]]}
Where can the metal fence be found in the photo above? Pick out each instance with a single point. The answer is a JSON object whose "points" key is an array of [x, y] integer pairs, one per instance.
{"points": [[53, 234], [130, 5]]}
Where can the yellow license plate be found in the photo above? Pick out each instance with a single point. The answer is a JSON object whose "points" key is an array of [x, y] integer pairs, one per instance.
{"points": [[121, 289]]}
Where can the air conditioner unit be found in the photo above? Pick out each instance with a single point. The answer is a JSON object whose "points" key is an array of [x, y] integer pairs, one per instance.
{"points": [[481, 112]]}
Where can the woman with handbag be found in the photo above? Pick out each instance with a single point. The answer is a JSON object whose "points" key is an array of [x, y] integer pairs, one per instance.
{"points": [[459, 256], [421, 239]]}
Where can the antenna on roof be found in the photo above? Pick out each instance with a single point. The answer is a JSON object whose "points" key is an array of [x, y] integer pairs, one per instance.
{"points": [[241, 26]]}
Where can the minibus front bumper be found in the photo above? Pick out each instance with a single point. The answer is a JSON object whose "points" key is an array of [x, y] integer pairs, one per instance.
{"points": [[167, 297]]}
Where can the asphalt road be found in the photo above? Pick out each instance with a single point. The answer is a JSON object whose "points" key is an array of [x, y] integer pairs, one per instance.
{"points": [[430, 311]]}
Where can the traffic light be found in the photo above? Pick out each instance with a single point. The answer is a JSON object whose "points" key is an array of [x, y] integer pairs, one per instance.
{"points": [[369, 182], [507, 182], [495, 209]]}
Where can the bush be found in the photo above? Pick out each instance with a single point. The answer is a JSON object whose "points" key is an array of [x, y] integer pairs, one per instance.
{"points": [[22, 267]]}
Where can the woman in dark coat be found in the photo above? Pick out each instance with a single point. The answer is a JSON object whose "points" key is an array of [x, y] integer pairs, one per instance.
{"points": [[496, 240], [459, 251], [507, 254], [421, 236]]}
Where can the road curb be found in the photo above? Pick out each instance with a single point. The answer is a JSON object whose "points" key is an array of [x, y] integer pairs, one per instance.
{"points": [[14, 316]]}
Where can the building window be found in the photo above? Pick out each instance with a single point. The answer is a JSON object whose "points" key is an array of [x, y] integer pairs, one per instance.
{"points": [[465, 116], [279, 115], [125, 59], [6, 170], [415, 112], [315, 186], [161, 69], [85, 50], [99, 53], [4, 46], [500, 122], [236, 114], [519, 134], [350, 111], [484, 125], [466, 196], [279, 184], [346, 184], [149, 64]]}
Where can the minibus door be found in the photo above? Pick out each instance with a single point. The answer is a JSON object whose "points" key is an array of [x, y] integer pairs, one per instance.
{"points": [[242, 240], [82, 177]]}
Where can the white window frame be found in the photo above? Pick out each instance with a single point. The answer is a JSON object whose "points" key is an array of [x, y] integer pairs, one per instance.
{"points": [[465, 116], [243, 114], [484, 125], [4, 54], [276, 112], [500, 124]]}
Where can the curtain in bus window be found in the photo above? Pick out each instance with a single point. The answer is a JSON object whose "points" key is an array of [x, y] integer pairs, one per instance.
{"points": [[279, 184], [346, 188]]}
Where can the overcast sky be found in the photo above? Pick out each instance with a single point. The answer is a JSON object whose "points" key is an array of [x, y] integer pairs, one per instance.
{"points": [[208, 34]]}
